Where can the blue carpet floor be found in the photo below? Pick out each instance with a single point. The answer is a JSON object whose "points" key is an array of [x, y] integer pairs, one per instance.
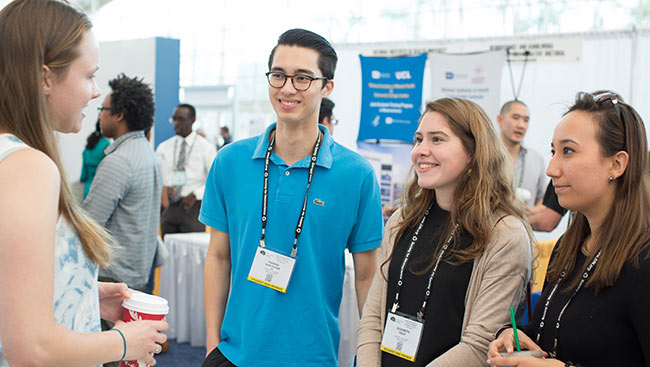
{"points": [[181, 355]]}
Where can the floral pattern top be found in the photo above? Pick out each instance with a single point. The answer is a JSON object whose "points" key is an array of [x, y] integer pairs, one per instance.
{"points": [[76, 301]]}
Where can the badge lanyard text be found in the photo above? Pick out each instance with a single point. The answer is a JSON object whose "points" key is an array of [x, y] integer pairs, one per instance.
{"points": [[265, 193], [414, 239], [584, 278]]}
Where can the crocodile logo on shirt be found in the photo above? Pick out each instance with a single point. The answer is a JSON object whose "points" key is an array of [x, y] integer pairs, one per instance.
{"points": [[319, 202]]}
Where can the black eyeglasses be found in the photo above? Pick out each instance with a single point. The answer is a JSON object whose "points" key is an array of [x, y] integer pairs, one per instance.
{"points": [[301, 82], [102, 108], [177, 118]]}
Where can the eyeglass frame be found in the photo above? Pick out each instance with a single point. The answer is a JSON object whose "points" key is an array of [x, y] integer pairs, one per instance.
{"points": [[293, 83], [171, 119], [100, 109]]}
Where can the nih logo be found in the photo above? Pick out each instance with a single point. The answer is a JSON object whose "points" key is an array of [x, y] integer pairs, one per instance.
{"points": [[449, 75], [376, 74]]}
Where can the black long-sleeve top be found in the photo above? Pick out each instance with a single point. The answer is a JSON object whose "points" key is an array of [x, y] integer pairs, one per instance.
{"points": [[608, 329], [446, 307]]}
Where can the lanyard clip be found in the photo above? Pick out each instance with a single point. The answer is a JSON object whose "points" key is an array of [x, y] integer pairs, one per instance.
{"points": [[262, 244], [394, 308], [293, 252], [420, 316]]}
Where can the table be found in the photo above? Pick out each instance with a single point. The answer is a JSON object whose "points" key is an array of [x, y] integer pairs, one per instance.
{"points": [[181, 283]]}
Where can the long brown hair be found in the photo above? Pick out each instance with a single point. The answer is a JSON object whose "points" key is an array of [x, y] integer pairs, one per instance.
{"points": [[34, 33], [624, 234], [484, 192]]}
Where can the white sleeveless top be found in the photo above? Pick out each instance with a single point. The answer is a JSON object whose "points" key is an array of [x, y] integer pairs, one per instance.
{"points": [[76, 301]]}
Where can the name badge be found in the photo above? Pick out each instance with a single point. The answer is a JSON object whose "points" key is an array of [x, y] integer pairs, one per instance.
{"points": [[271, 269], [401, 336], [179, 178]]}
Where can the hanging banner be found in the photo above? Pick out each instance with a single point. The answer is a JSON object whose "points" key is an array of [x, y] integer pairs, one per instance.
{"points": [[476, 77], [391, 97]]}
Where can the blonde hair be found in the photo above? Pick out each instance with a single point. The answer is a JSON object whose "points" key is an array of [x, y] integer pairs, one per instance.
{"points": [[34, 33], [484, 192]]}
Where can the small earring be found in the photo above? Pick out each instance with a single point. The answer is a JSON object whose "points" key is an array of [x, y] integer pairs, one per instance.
{"points": [[611, 178]]}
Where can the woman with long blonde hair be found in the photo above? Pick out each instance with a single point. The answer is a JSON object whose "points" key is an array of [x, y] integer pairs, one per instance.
{"points": [[50, 300], [456, 255]]}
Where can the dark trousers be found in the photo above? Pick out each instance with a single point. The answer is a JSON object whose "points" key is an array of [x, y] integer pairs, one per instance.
{"points": [[176, 220], [216, 359]]}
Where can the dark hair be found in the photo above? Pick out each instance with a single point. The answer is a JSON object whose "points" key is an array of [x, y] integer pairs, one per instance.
{"points": [[303, 38], [326, 107], [94, 137], [506, 106], [189, 107], [624, 233], [225, 128], [134, 99]]}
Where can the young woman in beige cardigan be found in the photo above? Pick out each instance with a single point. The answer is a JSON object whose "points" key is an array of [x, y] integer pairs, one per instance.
{"points": [[456, 256]]}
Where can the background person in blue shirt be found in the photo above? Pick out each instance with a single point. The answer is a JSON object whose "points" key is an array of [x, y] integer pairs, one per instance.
{"points": [[255, 325]]}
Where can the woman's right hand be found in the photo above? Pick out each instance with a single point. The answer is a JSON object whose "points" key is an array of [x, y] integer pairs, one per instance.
{"points": [[505, 343], [143, 339]]}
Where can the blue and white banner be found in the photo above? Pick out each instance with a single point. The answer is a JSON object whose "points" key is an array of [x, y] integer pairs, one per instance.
{"points": [[476, 77], [391, 97]]}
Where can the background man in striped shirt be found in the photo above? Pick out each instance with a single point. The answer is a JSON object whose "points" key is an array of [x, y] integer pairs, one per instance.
{"points": [[125, 194]]}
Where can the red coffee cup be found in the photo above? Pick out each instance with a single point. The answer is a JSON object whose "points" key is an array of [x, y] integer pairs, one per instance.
{"points": [[142, 306]]}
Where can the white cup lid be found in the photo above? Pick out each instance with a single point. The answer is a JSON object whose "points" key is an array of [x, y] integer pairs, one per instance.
{"points": [[146, 303]]}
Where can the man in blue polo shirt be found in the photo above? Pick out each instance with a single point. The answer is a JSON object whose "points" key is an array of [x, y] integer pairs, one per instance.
{"points": [[283, 207]]}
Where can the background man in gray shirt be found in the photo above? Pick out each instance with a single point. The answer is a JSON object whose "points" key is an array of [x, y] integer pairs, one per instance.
{"points": [[125, 194], [529, 168]]}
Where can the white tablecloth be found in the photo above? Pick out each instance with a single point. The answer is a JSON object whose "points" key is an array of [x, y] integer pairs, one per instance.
{"points": [[181, 283]]}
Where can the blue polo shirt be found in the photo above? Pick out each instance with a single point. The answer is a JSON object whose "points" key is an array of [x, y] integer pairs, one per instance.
{"points": [[261, 326]]}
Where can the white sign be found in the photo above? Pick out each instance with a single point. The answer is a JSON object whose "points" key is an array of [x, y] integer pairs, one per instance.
{"points": [[475, 77], [538, 50]]}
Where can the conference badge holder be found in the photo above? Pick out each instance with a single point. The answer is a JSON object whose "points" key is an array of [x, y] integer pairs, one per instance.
{"points": [[179, 178], [402, 335], [271, 269]]}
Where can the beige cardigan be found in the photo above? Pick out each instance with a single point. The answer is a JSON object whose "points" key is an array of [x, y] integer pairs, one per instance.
{"points": [[497, 282]]}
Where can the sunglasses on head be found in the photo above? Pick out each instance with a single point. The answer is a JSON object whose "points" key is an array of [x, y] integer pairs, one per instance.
{"points": [[615, 100]]}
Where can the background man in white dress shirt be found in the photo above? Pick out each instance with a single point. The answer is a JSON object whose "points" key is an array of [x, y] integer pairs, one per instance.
{"points": [[185, 160]]}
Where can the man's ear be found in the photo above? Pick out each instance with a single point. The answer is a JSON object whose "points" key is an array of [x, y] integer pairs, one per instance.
{"points": [[327, 88], [120, 117]]}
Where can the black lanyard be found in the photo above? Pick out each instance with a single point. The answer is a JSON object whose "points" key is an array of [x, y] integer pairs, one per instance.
{"points": [[584, 278], [265, 192], [427, 294]]}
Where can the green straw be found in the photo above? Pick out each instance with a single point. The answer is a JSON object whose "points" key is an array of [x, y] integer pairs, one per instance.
{"points": [[514, 327]]}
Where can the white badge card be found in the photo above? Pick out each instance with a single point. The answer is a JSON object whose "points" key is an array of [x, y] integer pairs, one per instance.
{"points": [[179, 178], [401, 336], [271, 269]]}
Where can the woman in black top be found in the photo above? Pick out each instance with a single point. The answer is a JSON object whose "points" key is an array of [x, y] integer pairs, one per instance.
{"points": [[455, 255], [595, 307]]}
